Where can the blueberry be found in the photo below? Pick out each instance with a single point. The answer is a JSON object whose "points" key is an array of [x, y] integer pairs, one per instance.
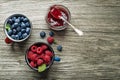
{"points": [[21, 19], [57, 59], [19, 34], [24, 35], [27, 24], [51, 33], [18, 28], [28, 31], [25, 19], [23, 26], [13, 36], [16, 25], [59, 48], [10, 21], [42, 34], [14, 18], [10, 32], [14, 31], [16, 37], [17, 20], [23, 30]]}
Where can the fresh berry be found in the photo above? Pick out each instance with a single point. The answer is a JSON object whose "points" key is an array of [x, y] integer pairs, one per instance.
{"points": [[41, 56], [16, 25], [47, 58], [44, 47], [16, 37], [21, 19], [25, 19], [23, 30], [59, 48], [49, 53], [10, 21], [28, 31], [23, 26], [13, 36], [19, 34], [32, 64], [34, 48], [7, 40], [14, 31], [33, 57], [24, 35], [17, 20], [39, 62], [57, 59], [42, 34], [9, 32], [50, 40], [30, 53], [39, 50], [51, 33], [14, 18], [18, 28], [27, 24]]}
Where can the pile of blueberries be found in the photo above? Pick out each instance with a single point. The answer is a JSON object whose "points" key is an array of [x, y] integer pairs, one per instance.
{"points": [[18, 27]]}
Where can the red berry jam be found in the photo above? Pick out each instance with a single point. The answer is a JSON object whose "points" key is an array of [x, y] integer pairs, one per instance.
{"points": [[57, 23]]}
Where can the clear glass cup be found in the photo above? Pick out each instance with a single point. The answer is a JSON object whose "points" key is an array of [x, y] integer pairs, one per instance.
{"points": [[58, 24]]}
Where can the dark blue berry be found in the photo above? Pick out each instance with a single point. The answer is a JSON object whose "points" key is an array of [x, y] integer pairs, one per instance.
{"points": [[16, 25], [14, 18], [42, 34], [17, 20], [27, 24], [59, 48], [51, 33], [57, 59], [10, 32], [25, 20], [23, 26], [21, 19], [13, 36], [19, 34], [23, 30], [16, 37], [24, 35], [14, 31], [18, 28], [28, 31], [10, 21]]}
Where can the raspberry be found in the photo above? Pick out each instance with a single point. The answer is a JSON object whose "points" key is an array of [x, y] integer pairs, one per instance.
{"points": [[33, 57], [47, 58], [44, 47], [39, 62], [34, 48], [50, 40], [32, 64], [30, 53], [41, 56], [49, 53], [8, 41], [39, 50]]}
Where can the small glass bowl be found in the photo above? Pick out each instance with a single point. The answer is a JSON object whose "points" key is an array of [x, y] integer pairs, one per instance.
{"points": [[51, 20]]}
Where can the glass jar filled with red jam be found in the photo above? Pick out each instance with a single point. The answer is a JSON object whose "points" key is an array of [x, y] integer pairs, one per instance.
{"points": [[55, 23]]}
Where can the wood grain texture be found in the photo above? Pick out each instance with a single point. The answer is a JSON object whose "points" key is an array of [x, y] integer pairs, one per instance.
{"points": [[94, 56]]}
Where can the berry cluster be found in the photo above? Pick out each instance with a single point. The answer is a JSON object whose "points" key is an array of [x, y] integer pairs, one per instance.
{"points": [[39, 55], [18, 27]]}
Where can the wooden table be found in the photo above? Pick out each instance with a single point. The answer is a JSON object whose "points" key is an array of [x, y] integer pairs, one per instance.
{"points": [[94, 56]]}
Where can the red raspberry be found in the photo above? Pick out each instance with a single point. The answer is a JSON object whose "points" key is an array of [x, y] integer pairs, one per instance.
{"points": [[33, 57], [32, 64], [39, 50], [30, 53], [8, 41], [49, 53], [44, 47], [39, 62], [34, 48], [50, 40], [47, 58], [41, 56]]}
